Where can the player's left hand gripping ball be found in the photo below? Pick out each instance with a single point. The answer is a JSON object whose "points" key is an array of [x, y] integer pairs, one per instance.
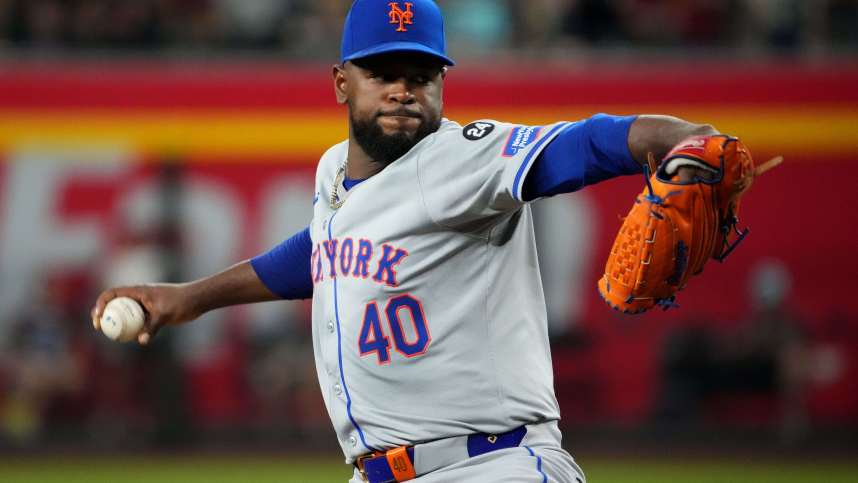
{"points": [[679, 222]]}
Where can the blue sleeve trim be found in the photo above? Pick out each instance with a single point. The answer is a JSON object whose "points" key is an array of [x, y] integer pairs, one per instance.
{"points": [[516, 184], [585, 153], [285, 269]]}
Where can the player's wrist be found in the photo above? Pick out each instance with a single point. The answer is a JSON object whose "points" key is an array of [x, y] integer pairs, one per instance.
{"points": [[192, 301], [659, 134]]}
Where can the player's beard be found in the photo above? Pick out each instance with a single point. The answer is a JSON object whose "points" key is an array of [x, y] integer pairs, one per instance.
{"points": [[387, 148]]}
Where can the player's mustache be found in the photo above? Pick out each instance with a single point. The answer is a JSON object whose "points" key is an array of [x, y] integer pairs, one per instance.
{"points": [[400, 112]]}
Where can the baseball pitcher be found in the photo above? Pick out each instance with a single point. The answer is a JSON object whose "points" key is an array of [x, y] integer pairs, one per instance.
{"points": [[429, 321]]}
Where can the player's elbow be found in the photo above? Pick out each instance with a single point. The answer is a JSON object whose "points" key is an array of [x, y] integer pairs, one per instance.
{"points": [[683, 128], [703, 130]]}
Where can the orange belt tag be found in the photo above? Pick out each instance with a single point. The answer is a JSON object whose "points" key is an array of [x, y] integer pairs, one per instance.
{"points": [[400, 464]]}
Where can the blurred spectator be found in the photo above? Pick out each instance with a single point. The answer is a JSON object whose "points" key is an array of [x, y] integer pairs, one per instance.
{"points": [[477, 26], [310, 29], [594, 21], [842, 20], [313, 29], [42, 361], [253, 24], [287, 400], [776, 23], [755, 374]]}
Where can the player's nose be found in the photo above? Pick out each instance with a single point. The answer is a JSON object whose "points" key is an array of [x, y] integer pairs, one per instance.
{"points": [[401, 92]]}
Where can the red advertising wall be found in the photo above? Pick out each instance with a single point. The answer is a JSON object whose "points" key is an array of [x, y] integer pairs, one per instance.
{"points": [[248, 125]]}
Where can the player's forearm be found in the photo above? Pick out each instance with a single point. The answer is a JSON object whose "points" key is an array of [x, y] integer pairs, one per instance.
{"points": [[658, 134], [236, 285]]}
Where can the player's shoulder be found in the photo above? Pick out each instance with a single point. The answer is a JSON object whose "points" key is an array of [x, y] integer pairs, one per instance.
{"points": [[336, 151], [474, 139], [473, 132], [487, 140], [333, 157]]}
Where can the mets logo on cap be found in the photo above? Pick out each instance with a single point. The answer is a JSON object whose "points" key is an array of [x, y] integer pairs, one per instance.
{"points": [[401, 17]]}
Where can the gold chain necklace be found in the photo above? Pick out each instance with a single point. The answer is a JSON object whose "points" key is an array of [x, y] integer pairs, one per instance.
{"points": [[335, 200]]}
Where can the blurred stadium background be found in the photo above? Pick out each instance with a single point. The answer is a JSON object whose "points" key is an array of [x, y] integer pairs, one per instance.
{"points": [[162, 140]]}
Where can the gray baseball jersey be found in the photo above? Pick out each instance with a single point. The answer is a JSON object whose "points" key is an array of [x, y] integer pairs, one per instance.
{"points": [[428, 311]]}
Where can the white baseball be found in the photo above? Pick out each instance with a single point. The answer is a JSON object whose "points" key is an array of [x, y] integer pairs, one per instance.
{"points": [[122, 319]]}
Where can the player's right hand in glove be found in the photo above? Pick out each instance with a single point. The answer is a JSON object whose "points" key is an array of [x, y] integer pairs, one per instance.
{"points": [[686, 215]]}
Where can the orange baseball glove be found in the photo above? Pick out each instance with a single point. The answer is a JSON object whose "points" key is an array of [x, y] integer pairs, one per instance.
{"points": [[686, 215]]}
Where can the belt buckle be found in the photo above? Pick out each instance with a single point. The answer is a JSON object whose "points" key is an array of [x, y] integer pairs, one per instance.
{"points": [[359, 465], [398, 460]]}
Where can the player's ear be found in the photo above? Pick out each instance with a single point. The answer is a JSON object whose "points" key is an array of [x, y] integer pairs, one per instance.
{"points": [[444, 72], [340, 83]]}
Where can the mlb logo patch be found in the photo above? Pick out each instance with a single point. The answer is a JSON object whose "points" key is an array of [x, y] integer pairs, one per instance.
{"points": [[519, 139]]}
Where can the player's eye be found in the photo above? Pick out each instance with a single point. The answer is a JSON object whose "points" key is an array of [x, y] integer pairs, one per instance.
{"points": [[382, 77], [374, 75]]}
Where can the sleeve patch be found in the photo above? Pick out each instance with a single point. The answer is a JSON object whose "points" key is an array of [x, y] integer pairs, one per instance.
{"points": [[520, 138]]}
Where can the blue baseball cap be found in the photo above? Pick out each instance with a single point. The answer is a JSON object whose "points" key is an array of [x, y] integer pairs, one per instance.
{"points": [[380, 26]]}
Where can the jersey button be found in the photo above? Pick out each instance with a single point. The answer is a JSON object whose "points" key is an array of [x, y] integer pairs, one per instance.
{"points": [[330, 327], [353, 441], [338, 389]]}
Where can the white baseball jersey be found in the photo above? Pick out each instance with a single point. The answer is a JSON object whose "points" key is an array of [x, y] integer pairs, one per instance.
{"points": [[429, 319]]}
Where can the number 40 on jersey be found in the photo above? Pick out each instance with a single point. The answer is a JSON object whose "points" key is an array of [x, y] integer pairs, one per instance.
{"points": [[377, 337]]}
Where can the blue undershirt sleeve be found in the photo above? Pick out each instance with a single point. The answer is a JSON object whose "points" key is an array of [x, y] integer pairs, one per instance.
{"points": [[585, 153], [285, 269]]}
